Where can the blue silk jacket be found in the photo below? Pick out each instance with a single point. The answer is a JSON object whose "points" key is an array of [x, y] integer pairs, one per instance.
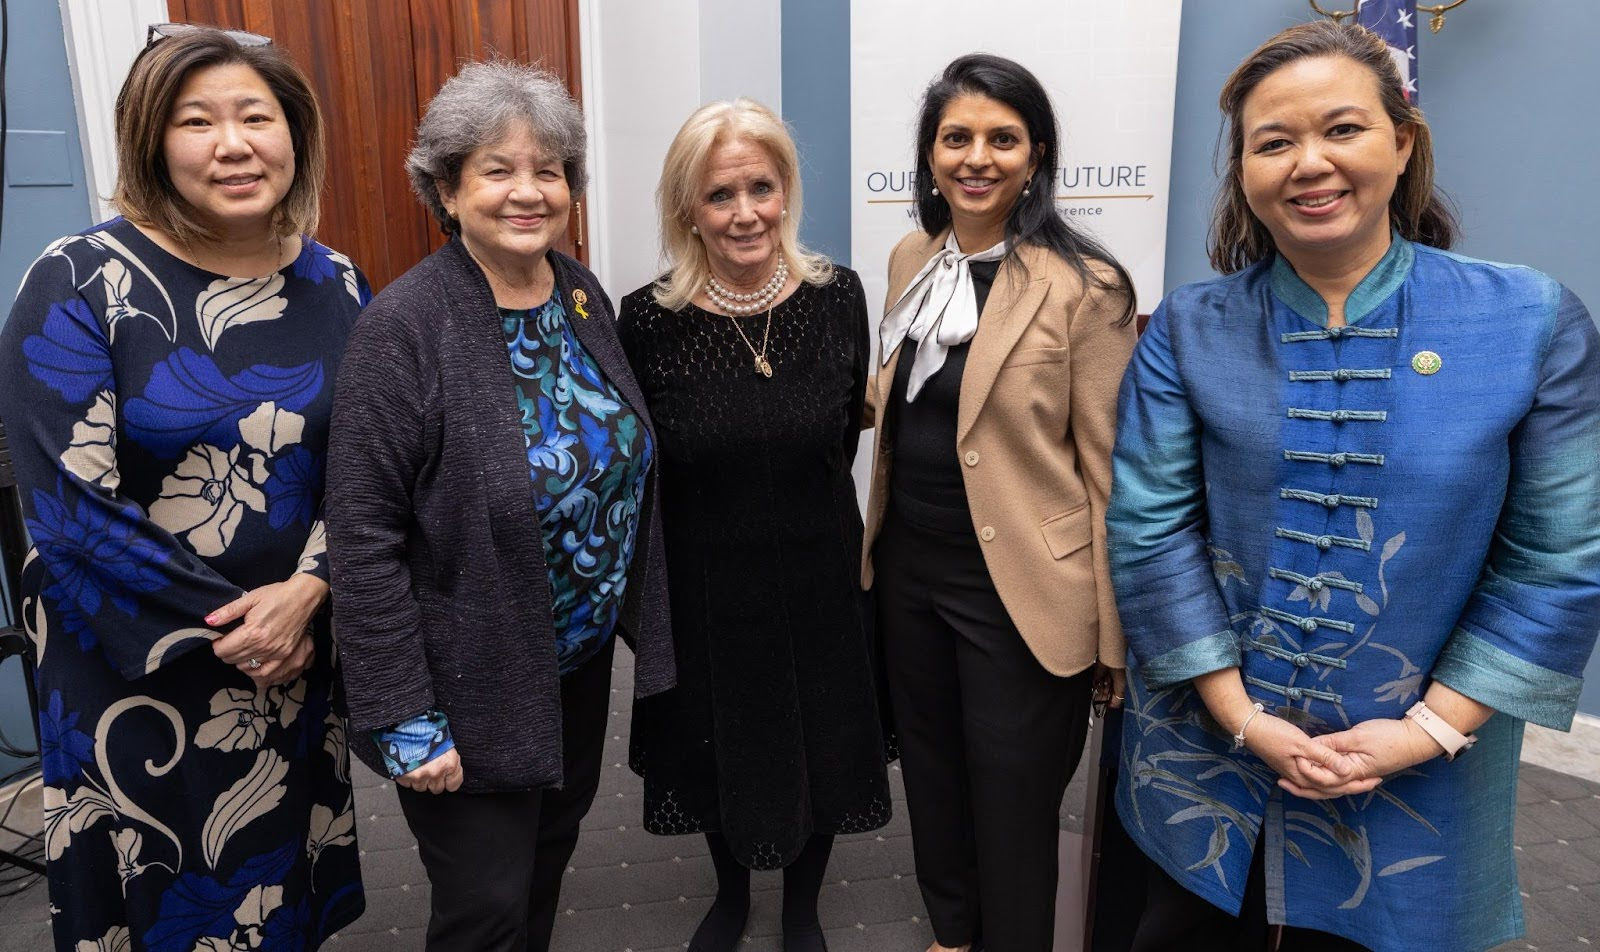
{"points": [[1347, 514]]}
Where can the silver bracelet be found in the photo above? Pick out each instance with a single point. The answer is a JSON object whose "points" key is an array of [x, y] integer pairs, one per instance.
{"points": [[1238, 739]]}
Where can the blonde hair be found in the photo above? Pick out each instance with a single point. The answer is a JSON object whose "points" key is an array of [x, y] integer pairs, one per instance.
{"points": [[712, 125]]}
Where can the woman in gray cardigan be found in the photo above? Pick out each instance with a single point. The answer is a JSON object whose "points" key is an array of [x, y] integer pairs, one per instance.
{"points": [[492, 515]]}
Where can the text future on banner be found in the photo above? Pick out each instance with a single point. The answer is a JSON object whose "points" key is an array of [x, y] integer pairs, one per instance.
{"points": [[1110, 69]]}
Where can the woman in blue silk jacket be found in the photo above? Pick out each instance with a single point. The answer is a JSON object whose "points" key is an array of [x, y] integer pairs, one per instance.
{"points": [[1352, 526]]}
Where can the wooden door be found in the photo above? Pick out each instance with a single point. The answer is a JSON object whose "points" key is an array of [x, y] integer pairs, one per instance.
{"points": [[374, 65]]}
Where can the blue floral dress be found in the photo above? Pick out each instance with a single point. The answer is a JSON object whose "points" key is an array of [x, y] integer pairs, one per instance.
{"points": [[169, 428]]}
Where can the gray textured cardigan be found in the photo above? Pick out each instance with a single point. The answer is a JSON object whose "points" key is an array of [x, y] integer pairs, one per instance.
{"points": [[441, 598]]}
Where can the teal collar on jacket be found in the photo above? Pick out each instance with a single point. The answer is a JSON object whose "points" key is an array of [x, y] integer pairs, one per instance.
{"points": [[1383, 280]]}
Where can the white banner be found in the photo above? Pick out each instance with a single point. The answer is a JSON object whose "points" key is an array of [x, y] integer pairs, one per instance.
{"points": [[1110, 67]]}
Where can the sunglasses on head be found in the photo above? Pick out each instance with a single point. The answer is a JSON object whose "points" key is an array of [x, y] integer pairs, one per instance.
{"points": [[163, 31]]}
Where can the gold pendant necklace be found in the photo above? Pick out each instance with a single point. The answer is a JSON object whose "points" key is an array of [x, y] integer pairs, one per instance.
{"points": [[763, 366]]}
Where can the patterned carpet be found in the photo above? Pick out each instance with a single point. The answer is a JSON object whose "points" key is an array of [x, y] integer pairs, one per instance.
{"points": [[629, 891]]}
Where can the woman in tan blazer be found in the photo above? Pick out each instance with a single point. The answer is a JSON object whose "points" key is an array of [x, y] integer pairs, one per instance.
{"points": [[1002, 347]]}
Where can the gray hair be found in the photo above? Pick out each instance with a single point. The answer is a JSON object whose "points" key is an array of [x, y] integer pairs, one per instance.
{"points": [[479, 106]]}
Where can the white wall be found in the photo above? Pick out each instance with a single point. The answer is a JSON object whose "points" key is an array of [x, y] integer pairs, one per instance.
{"points": [[102, 40], [741, 51], [648, 65]]}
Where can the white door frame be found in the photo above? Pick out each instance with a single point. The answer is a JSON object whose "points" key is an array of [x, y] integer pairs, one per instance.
{"points": [[102, 40], [589, 72]]}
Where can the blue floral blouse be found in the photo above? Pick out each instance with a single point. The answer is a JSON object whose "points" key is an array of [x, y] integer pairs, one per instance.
{"points": [[587, 457]]}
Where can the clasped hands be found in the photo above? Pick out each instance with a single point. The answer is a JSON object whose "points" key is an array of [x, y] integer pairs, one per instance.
{"points": [[1340, 764], [274, 629]]}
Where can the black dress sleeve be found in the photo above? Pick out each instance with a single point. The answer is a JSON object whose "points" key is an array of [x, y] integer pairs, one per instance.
{"points": [[633, 318], [861, 368]]}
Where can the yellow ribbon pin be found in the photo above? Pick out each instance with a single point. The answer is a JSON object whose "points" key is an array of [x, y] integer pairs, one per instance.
{"points": [[579, 299]]}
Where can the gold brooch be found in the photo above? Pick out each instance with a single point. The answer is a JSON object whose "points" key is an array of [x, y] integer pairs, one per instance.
{"points": [[1426, 362], [579, 299]]}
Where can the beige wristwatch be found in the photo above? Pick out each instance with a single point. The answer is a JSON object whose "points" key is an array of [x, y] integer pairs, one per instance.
{"points": [[1452, 740]]}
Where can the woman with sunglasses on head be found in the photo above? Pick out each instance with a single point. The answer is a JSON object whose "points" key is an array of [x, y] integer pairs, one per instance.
{"points": [[1353, 534], [1005, 336], [166, 380]]}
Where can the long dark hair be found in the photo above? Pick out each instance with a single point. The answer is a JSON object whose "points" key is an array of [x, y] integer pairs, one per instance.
{"points": [[1417, 210], [1034, 219]]}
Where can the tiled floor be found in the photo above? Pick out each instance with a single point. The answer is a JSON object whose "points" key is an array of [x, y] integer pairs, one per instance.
{"points": [[629, 890]]}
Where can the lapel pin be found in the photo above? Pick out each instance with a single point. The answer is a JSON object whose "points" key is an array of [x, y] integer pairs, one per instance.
{"points": [[1426, 362], [579, 299]]}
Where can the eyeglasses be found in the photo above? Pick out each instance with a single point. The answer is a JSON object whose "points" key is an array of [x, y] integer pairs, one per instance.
{"points": [[164, 31]]}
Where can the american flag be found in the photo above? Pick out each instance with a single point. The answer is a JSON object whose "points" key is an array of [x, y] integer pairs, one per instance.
{"points": [[1396, 22]]}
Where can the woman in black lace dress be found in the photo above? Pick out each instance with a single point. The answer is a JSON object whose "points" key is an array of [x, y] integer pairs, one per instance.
{"points": [[753, 357]]}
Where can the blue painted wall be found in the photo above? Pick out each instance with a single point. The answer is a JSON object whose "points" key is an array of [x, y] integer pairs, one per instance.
{"points": [[1502, 86], [816, 104], [39, 100], [1499, 83]]}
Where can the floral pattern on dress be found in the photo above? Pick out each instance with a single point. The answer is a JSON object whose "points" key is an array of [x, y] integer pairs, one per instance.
{"points": [[169, 430], [92, 453], [189, 400], [95, 556]]}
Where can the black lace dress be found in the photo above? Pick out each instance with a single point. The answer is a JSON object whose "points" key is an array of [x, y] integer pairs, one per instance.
{"points": [[773, 732]]}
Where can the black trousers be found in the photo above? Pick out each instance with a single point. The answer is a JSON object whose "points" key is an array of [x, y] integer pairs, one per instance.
{"points": [[1177, 920], [988, 740], [495, 860]]}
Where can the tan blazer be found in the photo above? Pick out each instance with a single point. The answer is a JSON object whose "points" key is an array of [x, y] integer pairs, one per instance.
{"points": [[1036, 420]]}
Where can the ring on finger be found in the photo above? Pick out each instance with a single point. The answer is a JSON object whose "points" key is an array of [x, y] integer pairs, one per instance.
{"points": [[253, 663]]}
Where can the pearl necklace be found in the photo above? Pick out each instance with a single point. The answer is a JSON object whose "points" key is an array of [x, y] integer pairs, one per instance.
{"points": [[755, 302]]}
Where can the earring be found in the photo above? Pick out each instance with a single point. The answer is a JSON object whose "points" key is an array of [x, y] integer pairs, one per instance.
{"points": [[934, 190], [785, 213], [694, 229], [1026, 191]]}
